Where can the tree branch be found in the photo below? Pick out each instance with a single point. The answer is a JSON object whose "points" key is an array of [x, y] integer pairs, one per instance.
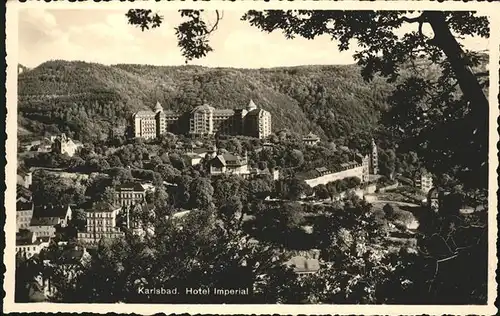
{"points": [[421, 19], [218, 18]]}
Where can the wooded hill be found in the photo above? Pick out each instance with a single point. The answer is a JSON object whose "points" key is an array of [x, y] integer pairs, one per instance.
{"points": [[88, 100], [85, 100]]}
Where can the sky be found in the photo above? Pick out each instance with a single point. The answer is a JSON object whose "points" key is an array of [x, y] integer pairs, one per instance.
{"points": [[105, 37]]}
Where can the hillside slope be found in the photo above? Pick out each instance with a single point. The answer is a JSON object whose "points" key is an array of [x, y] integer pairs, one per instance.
{"points": [[87, 100]]}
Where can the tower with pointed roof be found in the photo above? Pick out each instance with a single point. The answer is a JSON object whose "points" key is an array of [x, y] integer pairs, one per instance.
{"points": [[251, 106], [158, 107], [374, 158], [161, 122]]}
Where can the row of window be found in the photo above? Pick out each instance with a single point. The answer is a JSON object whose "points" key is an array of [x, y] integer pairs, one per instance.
{"points": [[107, 222], [27, 248], [93, 237], [99, 215], [123, 195]]}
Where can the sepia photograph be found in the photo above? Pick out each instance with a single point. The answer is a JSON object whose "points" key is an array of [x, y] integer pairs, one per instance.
{"points": [[264, 156]]}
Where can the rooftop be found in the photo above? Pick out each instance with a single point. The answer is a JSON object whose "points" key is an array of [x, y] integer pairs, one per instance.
{"points": [[310, 136], [23, 171], [102, 207], [144, 113], [254, 112], [302, 265], [45, 221], [230, 159], [204, 107], [73, 255], [130, 186], [24, 206], [49, 211], [224, 111]]}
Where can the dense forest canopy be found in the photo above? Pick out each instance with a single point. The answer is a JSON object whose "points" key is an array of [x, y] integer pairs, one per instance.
{"points": [[86, 100]]}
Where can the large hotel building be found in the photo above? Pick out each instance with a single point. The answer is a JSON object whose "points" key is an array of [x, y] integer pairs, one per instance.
{"points": [[202, 121]]}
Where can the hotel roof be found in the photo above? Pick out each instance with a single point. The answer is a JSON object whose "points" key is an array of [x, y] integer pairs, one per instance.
{"points": [[204, 107], [144, 113]]}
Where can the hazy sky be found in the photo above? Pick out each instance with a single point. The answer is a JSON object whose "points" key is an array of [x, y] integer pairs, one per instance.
{"points": [[105, 37]]}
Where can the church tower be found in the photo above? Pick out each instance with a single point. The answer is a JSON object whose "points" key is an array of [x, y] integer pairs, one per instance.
{"points": [[374, 158]]}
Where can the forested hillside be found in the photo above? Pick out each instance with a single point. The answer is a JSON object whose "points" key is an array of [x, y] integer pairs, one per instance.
{"points": [[87, 100]]}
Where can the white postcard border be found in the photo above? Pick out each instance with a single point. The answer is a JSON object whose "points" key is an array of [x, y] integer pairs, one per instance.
{"points": [[490, 9]]}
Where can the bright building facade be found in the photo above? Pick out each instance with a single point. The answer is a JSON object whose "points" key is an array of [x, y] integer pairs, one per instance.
{"points": [[203, 120], [65, 145], [100, 223], [28, 244], [129, 194], [24, 214]]}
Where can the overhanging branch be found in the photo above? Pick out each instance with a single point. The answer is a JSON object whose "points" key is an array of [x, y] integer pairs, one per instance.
{"points": [[421, 19]]}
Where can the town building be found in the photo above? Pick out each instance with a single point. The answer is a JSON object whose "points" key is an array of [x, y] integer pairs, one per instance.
{"points": [[101, 223], [365, 163], [23, 194], [24, 213], [129, 193], [45, 145], [65, 145], [28, 244], [44, 226], [46, 218], [423, 181], [230, 164], [29, 145], [193, 159], [24, 177], [203, 120], [311, 139]]}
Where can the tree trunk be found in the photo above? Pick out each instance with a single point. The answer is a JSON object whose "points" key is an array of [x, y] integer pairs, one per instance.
{"points": [[444, 39], [477, 122]]}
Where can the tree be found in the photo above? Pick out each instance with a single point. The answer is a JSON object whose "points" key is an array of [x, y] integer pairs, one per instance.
{"points": [[120, 176], [50, 188], [78, 219], [332, 189], [108, 196], [321, 191], [28, 274], [387, 162], [201, 193], [161, 201], [225, 188], [168, 173], [388, 210]]}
